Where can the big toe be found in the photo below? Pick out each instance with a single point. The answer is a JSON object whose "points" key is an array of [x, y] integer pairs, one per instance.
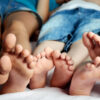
{"points": [[87, 41], [9, 42]]}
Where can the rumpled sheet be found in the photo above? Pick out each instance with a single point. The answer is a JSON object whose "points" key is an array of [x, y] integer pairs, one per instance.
{"points": [[50, 93]]}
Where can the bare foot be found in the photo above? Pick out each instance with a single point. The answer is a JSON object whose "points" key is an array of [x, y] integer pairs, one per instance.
{"points": [[44, 63], [85, 77], [63, 69], [92, 42], [5, 67], [22, 66]]}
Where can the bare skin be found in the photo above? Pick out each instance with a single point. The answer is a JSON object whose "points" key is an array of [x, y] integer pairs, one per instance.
{"points": [[22, 66], [85, 77], [44, 63], [63, 69], [77, 59], [18, 25], [5, 65], [92, 43]]}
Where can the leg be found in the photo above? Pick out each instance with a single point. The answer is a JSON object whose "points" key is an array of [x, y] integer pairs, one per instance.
{"points": [[55, 45], [78, 52], [53, 30], [44, 63], [21, 26], [64, 63], [85, 77], [22, 67], [92, 43]]}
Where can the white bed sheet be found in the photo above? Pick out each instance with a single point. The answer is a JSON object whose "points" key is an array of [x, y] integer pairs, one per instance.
{"points": [[50, 93]]}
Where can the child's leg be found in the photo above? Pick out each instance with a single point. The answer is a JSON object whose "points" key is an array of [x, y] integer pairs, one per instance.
{"points": [[85, 77], [92, 42], [22, 66], [22, 24], [57, 30], [55, 45]]}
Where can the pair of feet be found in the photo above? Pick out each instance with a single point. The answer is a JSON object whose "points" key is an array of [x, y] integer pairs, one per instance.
{"points": [[87, 74], [84, 77], [16, 66]]}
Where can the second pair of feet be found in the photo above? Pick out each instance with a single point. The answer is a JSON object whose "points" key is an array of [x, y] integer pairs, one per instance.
{"points": [[16, 66], [84, 77]]}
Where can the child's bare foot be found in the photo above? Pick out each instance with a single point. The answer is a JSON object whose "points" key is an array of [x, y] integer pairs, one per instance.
{"points": [[63, 69], [44, 63], [92, 42], [22, 66], [5, 67], [84, 78]]}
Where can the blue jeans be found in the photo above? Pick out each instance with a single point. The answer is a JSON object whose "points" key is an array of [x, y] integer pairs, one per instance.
{"points": [[68, 26]]}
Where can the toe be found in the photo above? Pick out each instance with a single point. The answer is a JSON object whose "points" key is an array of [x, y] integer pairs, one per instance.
{"points": [[29, 59], [56, 54], [63, 56], [42, 54], [87, 41], [97, 61], [96, 38], [38, 56], [68, 58], [71, 68], [5, 64], [32, 65], [90, 34], [48, 52], [18, 49], [70, 62], [90, 66], [9, 42], [25, 53]]}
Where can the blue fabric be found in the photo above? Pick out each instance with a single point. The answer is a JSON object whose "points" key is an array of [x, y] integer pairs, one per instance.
{"points": [[68, 26], [32, 4], [9, 6]]}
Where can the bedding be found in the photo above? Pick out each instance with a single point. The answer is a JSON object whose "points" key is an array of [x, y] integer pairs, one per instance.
{"points": [[50, 93]]}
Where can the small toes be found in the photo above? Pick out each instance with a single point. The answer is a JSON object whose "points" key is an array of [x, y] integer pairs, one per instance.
{"points": [[56, 54], [68, 58], [29, 59], [42, 54], [71, 68], [97, 61], [48, 52], [70, 62], [18, 49], [32, 65], [9, 42], [90, 66], [5, 64], [25, 53], [63, 56]]}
